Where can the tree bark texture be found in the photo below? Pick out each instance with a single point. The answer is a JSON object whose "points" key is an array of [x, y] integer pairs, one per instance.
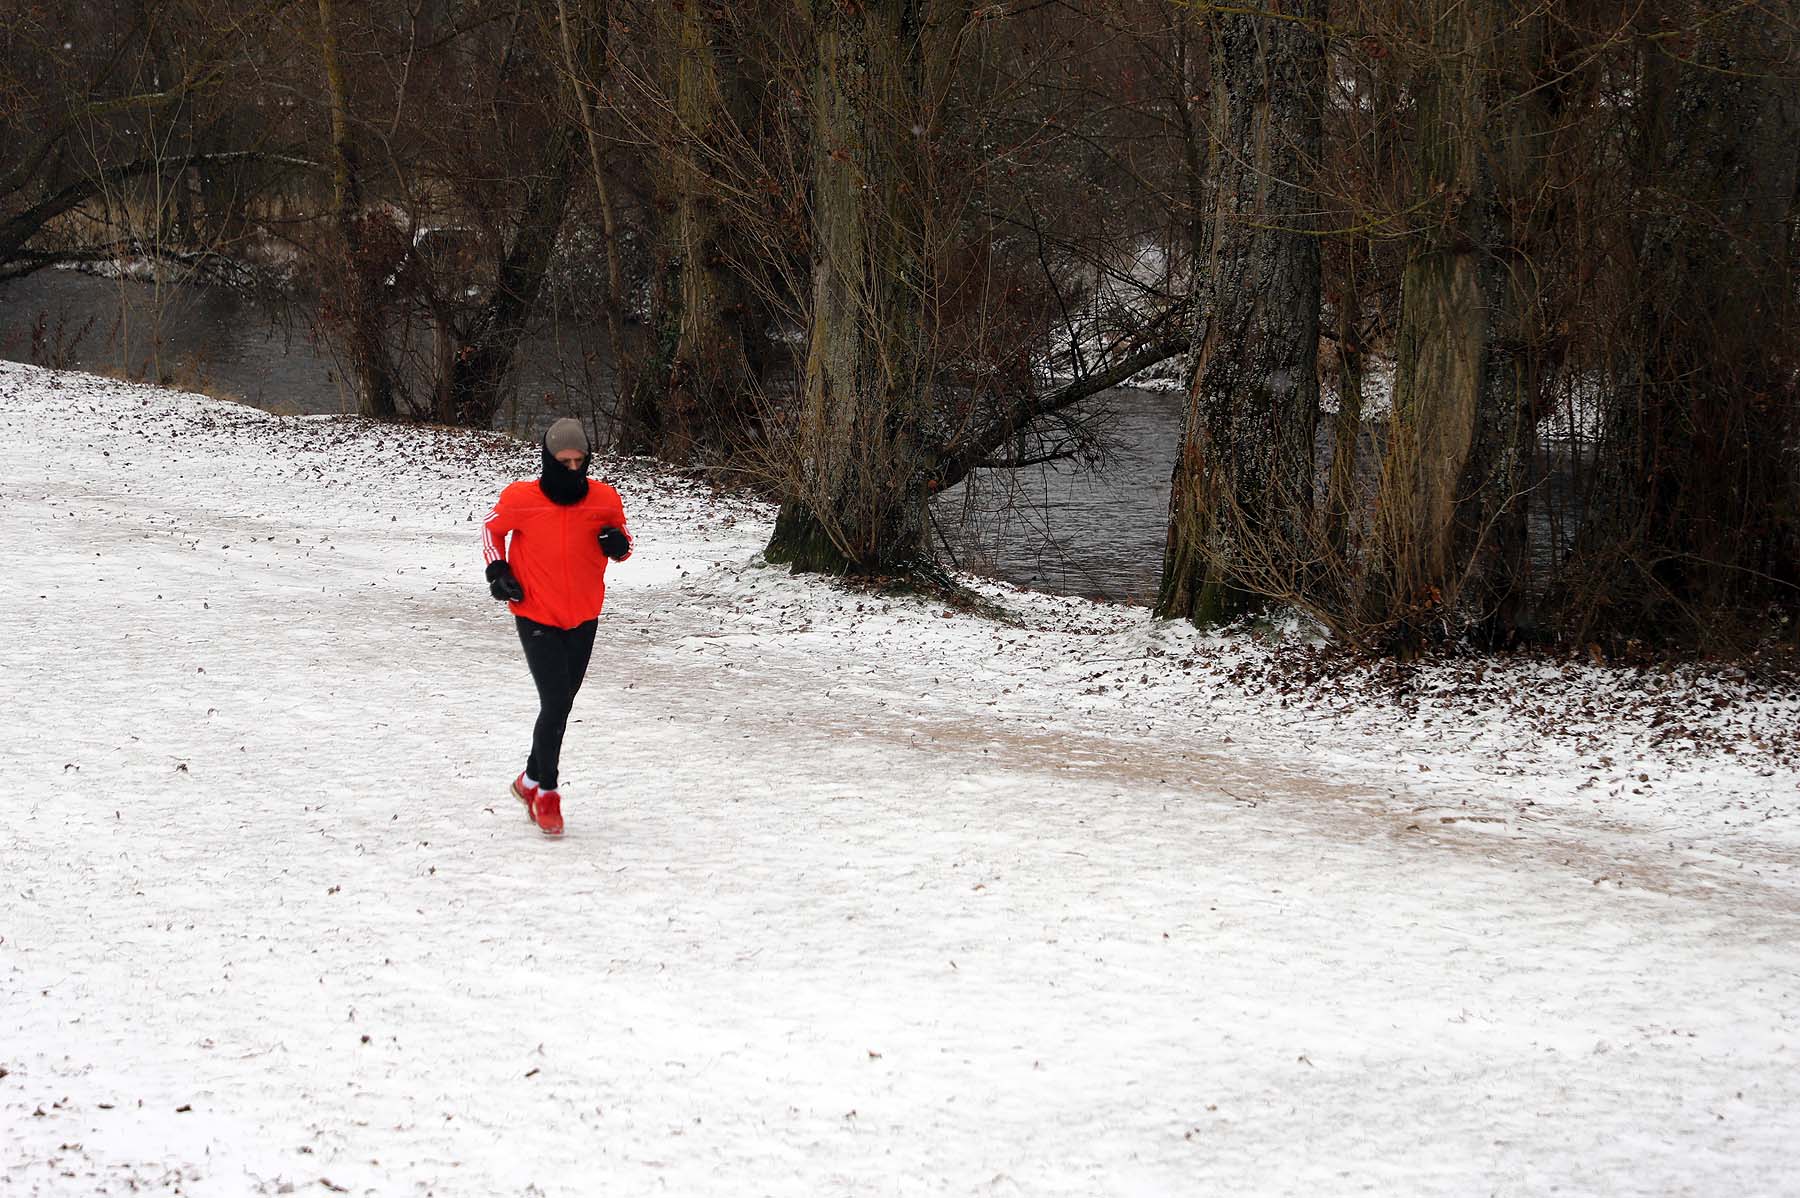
{"points": [[1450, 547], [856, 499], [1340, 487], [1442, 331], [1242, 486]]}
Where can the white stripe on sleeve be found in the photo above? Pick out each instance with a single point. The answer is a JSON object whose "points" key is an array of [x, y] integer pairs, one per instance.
{"points": [[493, 545]]}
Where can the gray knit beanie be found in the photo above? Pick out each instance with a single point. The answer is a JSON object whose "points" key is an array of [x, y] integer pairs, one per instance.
{"points": [[565, 434]]}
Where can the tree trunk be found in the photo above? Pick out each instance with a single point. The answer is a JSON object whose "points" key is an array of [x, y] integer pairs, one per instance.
{"points": [[584, 48], [1492, 545], [1696, 514], [1340, 487], [360, 309], [482, 370], [1450, 540], [1242, 488], [1442, 336], [857, 492], [708, 394]]}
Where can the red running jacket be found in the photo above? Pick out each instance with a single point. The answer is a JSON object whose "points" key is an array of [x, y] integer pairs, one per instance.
{"points": [[554, 553]]}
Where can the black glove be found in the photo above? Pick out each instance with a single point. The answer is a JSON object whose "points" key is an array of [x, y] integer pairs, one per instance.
{"points": [[614, 543], [502, 584]]}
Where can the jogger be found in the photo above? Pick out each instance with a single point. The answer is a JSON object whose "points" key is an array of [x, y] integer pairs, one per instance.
{"points": [[547, 544]]}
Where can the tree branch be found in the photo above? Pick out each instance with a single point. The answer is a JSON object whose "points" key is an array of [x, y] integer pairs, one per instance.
{"points": [[957, 461], [16, 231]]}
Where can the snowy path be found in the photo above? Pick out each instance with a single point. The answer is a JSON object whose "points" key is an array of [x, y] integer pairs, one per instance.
{"points": [[852, 902]]}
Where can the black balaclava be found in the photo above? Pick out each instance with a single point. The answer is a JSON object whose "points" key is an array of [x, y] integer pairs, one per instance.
{"points": [[559, 483]]}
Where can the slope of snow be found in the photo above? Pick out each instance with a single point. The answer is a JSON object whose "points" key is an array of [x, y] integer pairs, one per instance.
{"points": [[860, 895]]}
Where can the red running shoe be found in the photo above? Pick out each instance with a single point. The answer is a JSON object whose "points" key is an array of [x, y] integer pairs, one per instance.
{"points": [[546, 812], [524, 792]]}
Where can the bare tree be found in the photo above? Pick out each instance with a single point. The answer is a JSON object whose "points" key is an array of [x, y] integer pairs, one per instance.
{"points": [[857, 501], [1449, 531], [359, 261], [1694, 524], [1253, 400], [127, 110]]}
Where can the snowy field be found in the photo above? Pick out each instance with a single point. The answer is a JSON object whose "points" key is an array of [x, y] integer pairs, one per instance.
{"points": [[859, 896]]}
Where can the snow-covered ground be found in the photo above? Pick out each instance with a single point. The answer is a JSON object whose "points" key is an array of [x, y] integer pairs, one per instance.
{"points": [[860, 895]]}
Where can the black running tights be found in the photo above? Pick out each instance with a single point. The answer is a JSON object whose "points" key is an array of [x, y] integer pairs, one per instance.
{"points": [[558, 658]]}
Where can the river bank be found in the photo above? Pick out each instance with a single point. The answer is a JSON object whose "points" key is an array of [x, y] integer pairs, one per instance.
{"points": [[1059, 527]]}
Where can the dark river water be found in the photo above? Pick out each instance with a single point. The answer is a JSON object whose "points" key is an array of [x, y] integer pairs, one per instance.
{"points": [[1062, 528], [200, 338]]}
